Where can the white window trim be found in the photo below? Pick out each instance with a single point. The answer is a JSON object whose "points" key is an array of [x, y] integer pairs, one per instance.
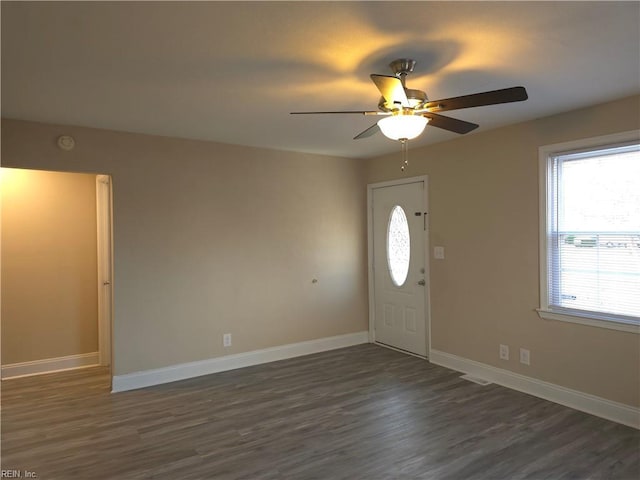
{"points": [[544, 152]]}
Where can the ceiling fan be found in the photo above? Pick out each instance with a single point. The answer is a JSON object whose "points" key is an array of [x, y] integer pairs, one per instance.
{"points": [[406, 111]]}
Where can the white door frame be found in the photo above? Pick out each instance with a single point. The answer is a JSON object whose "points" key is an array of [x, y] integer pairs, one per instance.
{"points": [[105, 266], [427, 297]]}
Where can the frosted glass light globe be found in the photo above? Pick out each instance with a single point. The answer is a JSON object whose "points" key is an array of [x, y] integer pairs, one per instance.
{"points": [[398, 127]]}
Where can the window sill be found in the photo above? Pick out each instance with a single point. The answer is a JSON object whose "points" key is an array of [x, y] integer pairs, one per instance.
{"points": [[593, 322]]}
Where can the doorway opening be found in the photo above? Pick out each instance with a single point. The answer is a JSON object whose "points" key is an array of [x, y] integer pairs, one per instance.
{"points": [[57, 296]]}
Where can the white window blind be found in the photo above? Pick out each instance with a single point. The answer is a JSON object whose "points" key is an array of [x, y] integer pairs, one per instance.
{"points": [[593, 233]]}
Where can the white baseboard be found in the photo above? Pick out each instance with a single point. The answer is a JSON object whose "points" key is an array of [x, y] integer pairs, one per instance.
{"points": [[49, 365], [147, 378], [601, 407]]}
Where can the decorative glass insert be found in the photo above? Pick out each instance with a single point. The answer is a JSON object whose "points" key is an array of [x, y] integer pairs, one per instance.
{"points": [[398, 246]]}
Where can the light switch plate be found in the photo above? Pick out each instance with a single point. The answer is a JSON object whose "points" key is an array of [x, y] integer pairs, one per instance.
{"points": [[438, 252], [504, 352]]}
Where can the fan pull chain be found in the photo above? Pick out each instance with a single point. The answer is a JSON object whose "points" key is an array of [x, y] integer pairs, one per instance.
{"points": [[405, 153]]}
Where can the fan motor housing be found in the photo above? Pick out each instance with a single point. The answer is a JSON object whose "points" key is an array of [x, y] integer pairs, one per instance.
{"points": [[416, 99], [401, 68]]}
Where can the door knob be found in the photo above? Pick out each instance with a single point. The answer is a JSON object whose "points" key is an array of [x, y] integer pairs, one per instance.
{"points": [[422, 282]]}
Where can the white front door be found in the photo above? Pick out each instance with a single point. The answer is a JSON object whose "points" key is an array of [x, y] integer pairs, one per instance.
{"points": [[399, 226]]}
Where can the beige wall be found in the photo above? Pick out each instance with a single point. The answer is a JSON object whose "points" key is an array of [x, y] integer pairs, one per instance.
{"points": [[49, 265], [484, 211], [212, 239]]}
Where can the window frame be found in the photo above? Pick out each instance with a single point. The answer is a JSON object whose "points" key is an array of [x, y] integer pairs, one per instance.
{"points": [[545, 156]]}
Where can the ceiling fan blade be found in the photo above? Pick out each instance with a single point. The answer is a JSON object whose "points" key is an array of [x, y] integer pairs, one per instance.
{"points": [[361, 112], [448, 123], [373, 129], [391, 89], [494, 97]]}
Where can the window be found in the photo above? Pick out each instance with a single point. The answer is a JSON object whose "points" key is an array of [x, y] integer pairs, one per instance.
{"points": [[398, 246], [590, 232]]}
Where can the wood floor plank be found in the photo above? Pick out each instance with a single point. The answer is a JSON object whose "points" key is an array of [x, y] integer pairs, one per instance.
{"points": [[362, 412]]}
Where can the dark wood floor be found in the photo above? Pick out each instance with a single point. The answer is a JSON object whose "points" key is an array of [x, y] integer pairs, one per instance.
{"points": [[364, 412]]}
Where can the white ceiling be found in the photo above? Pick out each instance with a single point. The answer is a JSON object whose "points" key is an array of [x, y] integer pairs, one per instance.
{"points": [[232, 71]]}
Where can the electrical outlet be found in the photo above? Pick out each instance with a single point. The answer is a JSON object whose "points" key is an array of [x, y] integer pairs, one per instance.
{"points": [[226, 340], [504, 352], [525, 356]]}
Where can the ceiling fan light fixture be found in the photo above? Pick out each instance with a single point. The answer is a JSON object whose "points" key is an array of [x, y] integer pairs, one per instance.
{"points": [[406, 127]]}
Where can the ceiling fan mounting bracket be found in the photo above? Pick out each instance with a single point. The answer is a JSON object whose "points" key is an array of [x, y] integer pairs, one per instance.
{"points": [[402, 66]]}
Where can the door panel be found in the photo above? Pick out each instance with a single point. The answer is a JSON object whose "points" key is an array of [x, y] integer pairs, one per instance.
{"points": [[400, 308]]}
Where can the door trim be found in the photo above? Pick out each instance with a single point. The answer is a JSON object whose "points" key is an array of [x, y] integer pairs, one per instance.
{"points": [[105, 266], [427, 296]]}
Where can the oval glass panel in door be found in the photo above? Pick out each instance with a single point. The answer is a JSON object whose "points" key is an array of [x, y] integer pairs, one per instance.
{"points": [[398, 246]]}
